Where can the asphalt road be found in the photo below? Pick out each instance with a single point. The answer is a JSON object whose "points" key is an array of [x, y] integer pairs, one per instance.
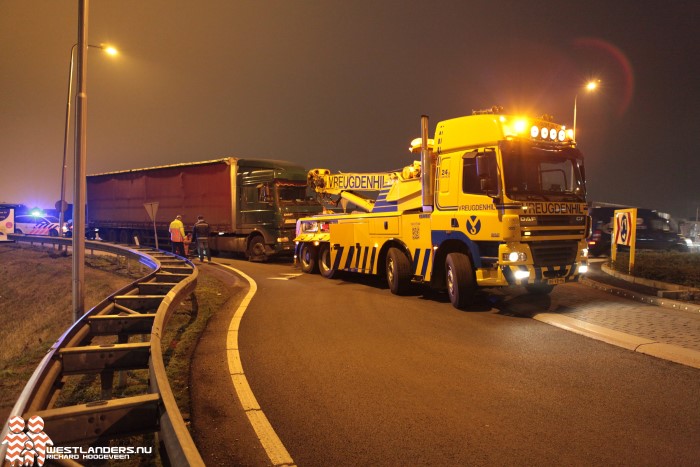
{"points": [[349, 374]]}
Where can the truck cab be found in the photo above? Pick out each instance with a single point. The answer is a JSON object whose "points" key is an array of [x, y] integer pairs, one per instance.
{"points": [[513, 192], [272, 195]]}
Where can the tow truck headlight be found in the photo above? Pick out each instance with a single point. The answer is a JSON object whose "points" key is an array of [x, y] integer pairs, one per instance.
{"points": [[514, 257], [282, 239], [582, 269], [520, 274]]}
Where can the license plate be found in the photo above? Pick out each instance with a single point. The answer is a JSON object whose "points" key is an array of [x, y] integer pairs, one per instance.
{"points": [[556, 281]]}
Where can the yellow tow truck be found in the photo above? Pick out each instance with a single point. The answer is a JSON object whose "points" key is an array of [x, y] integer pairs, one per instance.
{"points": [[495, 200]]}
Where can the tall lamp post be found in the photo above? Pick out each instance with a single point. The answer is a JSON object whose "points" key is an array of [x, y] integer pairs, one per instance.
{"points": [[111, 51], [590, 86]]}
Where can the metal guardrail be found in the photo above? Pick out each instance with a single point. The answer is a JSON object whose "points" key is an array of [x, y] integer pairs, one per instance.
{"points": [[141, 308]]}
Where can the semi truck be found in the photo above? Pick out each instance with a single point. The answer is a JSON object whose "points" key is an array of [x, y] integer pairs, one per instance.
{"points": [[252, 205], [495, 201]]}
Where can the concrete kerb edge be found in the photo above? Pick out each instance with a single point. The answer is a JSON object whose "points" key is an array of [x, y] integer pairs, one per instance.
{"points": [[648, 299], [669, 352], [673, 353]]}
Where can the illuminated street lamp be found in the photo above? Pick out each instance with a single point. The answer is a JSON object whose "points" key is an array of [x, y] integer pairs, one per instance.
{"points": [[110, 51], [590, 86]]}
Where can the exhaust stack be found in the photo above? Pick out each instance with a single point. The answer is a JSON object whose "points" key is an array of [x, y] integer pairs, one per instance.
{"points": [[427, 164]]}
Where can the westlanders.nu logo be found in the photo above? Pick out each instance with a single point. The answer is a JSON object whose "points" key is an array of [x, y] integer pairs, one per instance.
{"points": [[26, 448], [27, 445]]}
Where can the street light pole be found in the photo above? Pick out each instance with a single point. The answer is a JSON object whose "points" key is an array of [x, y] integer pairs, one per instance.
{"points": [[80, 162], [62, 207], [574, 132], [66, 135], [590, 86]]}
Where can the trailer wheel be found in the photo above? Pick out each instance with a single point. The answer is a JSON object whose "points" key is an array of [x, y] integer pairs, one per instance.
{"points": [[398, 271], [459, 277], [256, 248], [324, 261], [308, 257]]}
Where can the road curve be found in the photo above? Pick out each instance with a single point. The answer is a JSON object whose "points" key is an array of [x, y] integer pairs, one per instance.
{"points": [[350, 375]]}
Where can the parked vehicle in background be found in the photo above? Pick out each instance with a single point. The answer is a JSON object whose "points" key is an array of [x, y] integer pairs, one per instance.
{"points": [[655, 231], [7, 221], [36, 225]]}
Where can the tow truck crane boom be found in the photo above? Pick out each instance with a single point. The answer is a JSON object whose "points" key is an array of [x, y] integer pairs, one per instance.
{"points": [[401, 187]]}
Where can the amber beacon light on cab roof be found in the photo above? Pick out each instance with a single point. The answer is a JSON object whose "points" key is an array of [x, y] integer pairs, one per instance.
{"points": [[495, 201]]}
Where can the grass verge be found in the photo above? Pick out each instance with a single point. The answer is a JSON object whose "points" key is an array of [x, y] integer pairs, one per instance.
{"points": [[37, 301]]}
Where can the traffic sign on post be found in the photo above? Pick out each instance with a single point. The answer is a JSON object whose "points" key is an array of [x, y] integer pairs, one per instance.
{"points": [[625, 233], [152, 209]]}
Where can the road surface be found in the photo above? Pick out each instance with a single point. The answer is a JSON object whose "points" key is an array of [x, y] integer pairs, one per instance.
{"points": [[348, 374]]}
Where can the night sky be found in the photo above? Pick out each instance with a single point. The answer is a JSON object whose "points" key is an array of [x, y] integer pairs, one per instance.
{"points": [[341, 84]]}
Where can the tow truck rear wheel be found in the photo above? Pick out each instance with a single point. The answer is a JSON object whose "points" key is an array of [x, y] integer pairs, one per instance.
{"points": [[460, 281], [308, 258], [398, 271], [324, 261]]}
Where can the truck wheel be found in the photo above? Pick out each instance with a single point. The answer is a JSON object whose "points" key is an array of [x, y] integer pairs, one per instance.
{"points": [[308, 258], [459, 276], [324, 261], [256, 249], [539, 289], [53, 233], [398, 271]]}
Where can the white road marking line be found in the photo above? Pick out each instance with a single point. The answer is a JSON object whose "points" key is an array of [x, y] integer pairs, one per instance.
{"points": [[266, 434], [289, 275]]}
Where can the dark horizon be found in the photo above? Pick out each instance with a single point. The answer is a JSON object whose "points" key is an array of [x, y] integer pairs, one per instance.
{"points": [[343, 85]]}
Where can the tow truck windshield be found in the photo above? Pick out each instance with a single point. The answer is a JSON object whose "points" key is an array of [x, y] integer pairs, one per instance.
{"points": [[533, 173]]}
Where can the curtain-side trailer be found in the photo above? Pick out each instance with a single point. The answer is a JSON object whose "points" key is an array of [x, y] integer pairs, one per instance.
{"points": [[252, 205]]}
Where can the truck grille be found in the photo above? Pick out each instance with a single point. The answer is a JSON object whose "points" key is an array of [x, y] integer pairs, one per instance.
{"points": [[553, 253], [543, 220]]}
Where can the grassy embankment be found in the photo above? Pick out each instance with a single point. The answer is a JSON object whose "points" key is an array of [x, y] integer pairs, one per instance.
{"points": [[666, 266], [35, 306]]}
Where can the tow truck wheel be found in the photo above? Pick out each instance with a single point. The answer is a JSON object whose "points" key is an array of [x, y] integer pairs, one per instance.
{"points": [[308, 258], [324, 261], [398, 271], [459, 277], [539, 289]]}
